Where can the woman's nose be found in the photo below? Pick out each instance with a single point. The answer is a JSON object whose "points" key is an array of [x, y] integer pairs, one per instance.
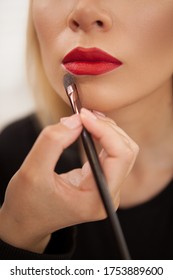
{"points": [[87, 16]]}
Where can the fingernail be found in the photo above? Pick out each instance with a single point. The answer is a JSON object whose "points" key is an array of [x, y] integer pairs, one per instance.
{"points": [[71, 122], [88, 114], [99, 114]]}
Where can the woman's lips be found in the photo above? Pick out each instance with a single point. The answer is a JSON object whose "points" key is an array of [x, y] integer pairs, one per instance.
{"points": [[89, 61]]}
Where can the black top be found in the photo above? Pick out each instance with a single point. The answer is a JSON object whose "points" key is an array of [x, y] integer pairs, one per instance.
{"points": [[148, 228]]}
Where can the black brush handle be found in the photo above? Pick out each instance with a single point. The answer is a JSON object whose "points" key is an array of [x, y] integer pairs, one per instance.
{"points": [[104, 193], [97, 170]]}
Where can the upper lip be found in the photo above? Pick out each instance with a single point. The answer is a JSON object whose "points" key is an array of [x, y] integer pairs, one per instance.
{"points": [[89, 55]]}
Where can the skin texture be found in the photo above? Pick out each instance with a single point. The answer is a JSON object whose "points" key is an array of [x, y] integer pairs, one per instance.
{"points": [[139, 34], [38, 201], [137, 95]]}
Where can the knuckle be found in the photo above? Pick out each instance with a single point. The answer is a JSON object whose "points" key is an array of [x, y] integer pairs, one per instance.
{"points": [[51, 134], [94, 213], [128, 154], [136, 148], [26, 176], [128, 158], [31, 181], [48, 132], [130, 151]]}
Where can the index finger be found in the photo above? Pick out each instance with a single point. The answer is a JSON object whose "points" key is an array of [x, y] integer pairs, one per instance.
{"points": [[51, 143]]}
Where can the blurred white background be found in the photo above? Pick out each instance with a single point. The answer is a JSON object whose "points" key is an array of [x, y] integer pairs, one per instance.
{"points": [[15, 98]]}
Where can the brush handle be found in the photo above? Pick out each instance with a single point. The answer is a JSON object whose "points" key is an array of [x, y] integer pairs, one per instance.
{"points": [[96, 168], [104, 193]]}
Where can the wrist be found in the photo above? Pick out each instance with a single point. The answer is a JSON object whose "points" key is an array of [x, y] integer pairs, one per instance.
{"points": [[21, 236]]}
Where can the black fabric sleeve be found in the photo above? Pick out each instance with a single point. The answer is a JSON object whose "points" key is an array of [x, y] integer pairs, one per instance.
{"points": [[61, 247], [16, 140], [8, 252]]}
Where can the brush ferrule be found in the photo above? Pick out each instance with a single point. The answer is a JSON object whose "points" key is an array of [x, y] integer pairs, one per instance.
{"points": [[69, 89]]}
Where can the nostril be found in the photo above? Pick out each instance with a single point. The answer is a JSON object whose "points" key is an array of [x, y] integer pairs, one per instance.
{"points": [[75, 23], [99, 23], [89, 19]]}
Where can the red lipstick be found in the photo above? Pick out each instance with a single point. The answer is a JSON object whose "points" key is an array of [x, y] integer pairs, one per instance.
{"points": [[89, 61]]}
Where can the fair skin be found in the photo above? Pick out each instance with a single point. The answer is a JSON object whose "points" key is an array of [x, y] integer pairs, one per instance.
{"points": [[138, 98], [139, 93]]}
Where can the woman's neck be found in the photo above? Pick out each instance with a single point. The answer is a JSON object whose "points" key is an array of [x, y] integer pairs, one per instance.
{"points": [[149, 122]]}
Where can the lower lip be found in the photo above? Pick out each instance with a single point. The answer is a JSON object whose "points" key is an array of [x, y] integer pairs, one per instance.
{"points": [[90, 68]]}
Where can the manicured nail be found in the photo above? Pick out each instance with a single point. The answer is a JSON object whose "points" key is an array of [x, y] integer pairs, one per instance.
{"points": [[88, 114], [99, 114], [71, 122]]}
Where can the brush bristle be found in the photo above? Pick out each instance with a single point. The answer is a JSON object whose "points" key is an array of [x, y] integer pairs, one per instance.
{"points": [[68, 80]]}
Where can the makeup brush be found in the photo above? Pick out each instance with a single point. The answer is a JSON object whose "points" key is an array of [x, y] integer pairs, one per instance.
{"points": [[72, 93]]}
